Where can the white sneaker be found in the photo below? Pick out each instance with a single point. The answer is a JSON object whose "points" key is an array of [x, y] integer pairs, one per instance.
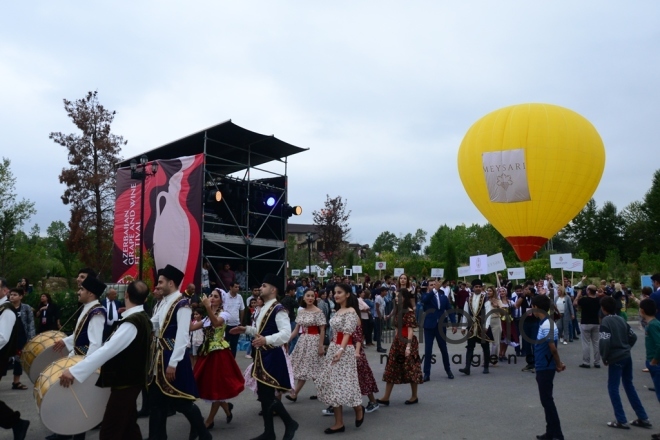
{"points": [[565, 343], [561, 340], [247, 356]]}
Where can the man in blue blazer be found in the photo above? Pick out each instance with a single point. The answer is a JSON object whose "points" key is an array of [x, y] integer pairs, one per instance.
{"points": [[435, 304]]}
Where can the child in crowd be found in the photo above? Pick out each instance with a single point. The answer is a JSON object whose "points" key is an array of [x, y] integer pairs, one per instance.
{"points": [[546, 363], [248, 321], [196, 336], [616, 340]]}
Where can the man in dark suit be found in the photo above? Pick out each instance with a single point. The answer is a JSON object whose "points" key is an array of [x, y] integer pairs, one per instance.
{"points": [[114, 308], [435, 304]]}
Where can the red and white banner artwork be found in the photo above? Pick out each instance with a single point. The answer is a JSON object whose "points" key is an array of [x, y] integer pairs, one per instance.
{"points": [[172, 220]]}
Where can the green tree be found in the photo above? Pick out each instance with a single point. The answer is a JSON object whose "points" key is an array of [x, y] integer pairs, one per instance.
{"points": [[385, 242], [332, 227], [13, 214], [451, 263], [57, 243], [411, 244], [651, 208], [90, 180]]}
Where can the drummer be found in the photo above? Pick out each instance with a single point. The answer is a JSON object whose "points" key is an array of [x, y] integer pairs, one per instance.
{"points": [[123, 360], [172, 384], [88, 336], [8, 332]]}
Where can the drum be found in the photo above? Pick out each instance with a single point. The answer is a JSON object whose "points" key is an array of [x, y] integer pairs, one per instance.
{"points": [[38, 353], [72, 410]]}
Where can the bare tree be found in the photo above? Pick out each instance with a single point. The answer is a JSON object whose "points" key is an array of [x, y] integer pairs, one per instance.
{"points": [[332, 227], [90, 179]]}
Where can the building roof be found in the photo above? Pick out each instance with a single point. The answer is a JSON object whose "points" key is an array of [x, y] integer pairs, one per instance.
{"points": [[301, 228]]}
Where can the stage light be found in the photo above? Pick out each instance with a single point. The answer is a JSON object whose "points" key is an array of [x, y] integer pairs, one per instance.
{"points": [[270, 201], [288, 210], [213, 195]]}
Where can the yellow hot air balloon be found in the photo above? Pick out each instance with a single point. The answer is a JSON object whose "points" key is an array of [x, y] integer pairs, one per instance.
{"points": [[530, 169]]}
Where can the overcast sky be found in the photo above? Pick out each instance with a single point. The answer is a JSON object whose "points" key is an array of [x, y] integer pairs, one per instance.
{"points": [[381, 93]]}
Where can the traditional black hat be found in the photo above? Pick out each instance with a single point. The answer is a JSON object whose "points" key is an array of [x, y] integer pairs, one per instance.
{"points": [[93, 285], [172, 273], [477, 282], [274, 280]]}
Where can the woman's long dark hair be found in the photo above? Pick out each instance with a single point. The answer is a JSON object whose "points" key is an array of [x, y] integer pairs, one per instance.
{"points": [[47, 295], [351, 300]]}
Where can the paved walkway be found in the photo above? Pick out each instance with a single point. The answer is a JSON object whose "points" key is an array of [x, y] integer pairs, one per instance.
{"points": [[501, 405]]}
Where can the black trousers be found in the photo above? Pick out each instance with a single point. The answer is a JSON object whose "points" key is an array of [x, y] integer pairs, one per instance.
{"points": [[160, 404], [378, 332], [544, 379], [8, 417], [120, 417], [367, 328], [232, 339]]}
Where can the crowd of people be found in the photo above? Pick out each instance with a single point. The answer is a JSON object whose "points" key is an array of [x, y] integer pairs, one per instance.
{"points": [[302, 331]]}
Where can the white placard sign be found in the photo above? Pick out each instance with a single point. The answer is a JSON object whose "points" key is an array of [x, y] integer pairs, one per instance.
{"points": [[560, 261], [320, 273], [506, 176], [515, 273], [398, 271], [348, 272], [478, 264], [295, 273], [437, 273], [496, 263], [357, 269], [381, 265], [576, 265], [464, 271]]}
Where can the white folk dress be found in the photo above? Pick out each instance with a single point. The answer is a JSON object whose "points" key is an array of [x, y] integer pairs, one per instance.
{"points": [[338, 383], [307, 363]]}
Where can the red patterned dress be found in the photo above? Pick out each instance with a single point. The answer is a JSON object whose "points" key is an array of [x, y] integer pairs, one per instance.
{"points": [[399, 368], [365, 375]]}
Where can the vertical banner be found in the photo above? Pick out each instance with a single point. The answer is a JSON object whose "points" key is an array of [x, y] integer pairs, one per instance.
{"points": [[172, 220]]}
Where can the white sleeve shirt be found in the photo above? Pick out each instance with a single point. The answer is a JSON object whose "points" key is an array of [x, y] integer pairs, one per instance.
{"points": [[183, 316], [94, 331], [120, 339], [7, 321], [283, 327]]}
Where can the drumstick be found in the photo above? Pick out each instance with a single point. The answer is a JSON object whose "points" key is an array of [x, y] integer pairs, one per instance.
{"points": [[79, 404]]}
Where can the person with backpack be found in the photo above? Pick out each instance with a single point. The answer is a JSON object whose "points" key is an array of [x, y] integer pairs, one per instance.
{"points": [[26, 331]]}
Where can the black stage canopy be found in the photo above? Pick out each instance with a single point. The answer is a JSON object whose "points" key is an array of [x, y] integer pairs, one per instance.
{"points": [[228, 147]]}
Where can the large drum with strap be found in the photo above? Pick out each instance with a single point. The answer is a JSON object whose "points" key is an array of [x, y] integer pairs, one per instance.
{"points": [[71, 410], [38, 353]]}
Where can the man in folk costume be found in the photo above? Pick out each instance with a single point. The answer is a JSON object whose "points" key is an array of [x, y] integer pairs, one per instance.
{"points": [[124, 362], [269, 369], [172, 384], [8, 332], [475, 309], [88, 335]]}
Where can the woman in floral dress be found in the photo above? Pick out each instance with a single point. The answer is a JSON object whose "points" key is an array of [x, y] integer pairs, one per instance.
{"points": [[365, 376], [338, 383], [403, 363], [216, 372], [307, 356]]}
